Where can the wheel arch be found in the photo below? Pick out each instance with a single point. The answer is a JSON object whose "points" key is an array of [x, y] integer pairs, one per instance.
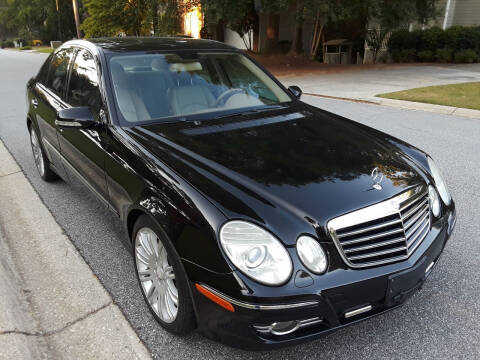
{"points": [[29, 122], [131, 219]]}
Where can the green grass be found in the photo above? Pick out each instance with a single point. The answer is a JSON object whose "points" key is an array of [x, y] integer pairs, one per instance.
{"points": [[465, 95], [43, 49]]}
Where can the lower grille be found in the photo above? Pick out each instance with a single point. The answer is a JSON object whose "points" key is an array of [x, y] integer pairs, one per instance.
{"points": [[385, 232]]}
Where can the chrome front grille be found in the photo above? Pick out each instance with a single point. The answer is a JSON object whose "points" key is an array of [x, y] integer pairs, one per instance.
{"points": [[385, 232]]}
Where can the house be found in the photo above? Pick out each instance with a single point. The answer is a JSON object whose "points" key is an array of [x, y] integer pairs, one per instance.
{"points": [[459, 12], [282, 26]]}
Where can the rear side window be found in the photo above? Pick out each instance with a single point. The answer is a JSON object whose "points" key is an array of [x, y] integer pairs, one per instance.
{"points": [[83, 89], [57, 74]]}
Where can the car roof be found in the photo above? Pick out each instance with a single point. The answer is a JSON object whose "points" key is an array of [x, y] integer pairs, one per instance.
{"points": [[122, 44]]}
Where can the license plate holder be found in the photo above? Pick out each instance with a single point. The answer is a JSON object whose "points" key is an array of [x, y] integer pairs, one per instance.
{"points": [[401, 285]]}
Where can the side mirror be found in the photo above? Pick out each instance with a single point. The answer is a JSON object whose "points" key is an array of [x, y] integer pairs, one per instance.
{"points": [[295, 90], [75, 117]]}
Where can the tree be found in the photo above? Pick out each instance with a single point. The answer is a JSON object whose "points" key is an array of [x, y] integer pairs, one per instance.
{"points": [[110, 17], [133, 17], [272, 9], [38, 19], [169, 16], [103, 18], [375, 39], [238, 15], [296, 46]]}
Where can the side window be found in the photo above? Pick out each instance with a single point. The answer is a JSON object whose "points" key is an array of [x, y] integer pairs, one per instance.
{"points": [[43, 73], [57, 74], [83, 89]]}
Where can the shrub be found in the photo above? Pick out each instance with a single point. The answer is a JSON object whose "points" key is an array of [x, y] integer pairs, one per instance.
{"points": [[406, 55], [455, 39], [426, 56], [460, 37], [7, 44], [26, 48], [402, 39], [444, 55], [466, 56], [431, 39]]}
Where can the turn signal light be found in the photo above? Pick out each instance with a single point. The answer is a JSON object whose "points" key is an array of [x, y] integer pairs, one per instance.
{"points": [[215, 298]]}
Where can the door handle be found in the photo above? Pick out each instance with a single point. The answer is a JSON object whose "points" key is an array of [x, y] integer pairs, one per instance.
{"points": [[34, 103]]}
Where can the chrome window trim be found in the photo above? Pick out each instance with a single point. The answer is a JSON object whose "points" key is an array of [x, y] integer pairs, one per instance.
{"points": [[251, 306], [389, 207]]}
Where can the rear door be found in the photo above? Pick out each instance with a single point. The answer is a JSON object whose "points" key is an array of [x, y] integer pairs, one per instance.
{"points": [[83, 149], [47, 98]]}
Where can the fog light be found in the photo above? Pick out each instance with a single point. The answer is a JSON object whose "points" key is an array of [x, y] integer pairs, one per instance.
{"points": [[287, 327], [284, 327]]}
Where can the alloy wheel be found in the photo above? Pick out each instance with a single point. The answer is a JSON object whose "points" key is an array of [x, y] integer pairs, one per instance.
{"points": [[156, 274]]}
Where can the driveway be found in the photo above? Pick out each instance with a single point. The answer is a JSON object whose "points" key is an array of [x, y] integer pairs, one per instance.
{"points": [[365, 84], [440, 322]]}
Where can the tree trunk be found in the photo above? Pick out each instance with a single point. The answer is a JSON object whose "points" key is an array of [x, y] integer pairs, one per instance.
{"points": [[77, 18], [220, 31], [297, 45], [317, 42], [273, 23], [155, 17]]}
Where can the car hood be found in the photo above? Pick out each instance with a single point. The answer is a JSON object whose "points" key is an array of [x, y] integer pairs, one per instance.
{"points": [[298, 161]]}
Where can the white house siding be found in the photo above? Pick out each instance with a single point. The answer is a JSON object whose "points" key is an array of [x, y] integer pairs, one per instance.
{"points": [[233, 39], [467, 13]]}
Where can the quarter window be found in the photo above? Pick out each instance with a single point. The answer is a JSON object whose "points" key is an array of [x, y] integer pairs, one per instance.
{"points": [[57, 75], [83, 89]]}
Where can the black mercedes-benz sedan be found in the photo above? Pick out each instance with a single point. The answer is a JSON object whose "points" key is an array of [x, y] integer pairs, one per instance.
{"points": [[256, 218]]}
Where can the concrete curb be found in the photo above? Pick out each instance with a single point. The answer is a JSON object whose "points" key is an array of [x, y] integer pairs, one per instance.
{"points": [[52, 305], [440, 109], [409, 105]]}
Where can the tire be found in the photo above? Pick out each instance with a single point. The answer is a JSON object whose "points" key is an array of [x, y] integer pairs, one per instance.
{"points": [[39, 157], [156, 271]]}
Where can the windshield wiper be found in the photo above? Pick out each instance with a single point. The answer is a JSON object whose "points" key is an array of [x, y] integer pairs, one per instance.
{"points": [[251, 111], [171, 121]]}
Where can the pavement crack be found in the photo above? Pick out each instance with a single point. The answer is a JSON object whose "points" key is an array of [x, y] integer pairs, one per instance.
{"points": [[15, 172], [56, 331], [20, 332]]}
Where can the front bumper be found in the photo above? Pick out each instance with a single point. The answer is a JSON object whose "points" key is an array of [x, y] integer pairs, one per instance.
{"points": [[346, 297]]}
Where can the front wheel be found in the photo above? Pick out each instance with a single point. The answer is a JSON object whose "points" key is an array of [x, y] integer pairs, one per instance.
{"points": [[41, 161], [161, 277]]}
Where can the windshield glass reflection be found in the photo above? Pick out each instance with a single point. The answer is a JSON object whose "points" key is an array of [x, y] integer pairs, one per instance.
{"points": [[160, 87]]}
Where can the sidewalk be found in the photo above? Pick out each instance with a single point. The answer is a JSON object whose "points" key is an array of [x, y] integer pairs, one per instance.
{"points": [[364, 85], [51, 304]]}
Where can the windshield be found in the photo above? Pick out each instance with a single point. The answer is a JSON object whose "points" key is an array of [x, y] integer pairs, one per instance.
{"points": [[162, 87]]}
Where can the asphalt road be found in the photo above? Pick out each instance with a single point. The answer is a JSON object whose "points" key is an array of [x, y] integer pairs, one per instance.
{"points": [[441, 321]]}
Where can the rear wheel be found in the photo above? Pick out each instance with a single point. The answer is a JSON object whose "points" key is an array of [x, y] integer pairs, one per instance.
{"points": [[161, 277], [41, 161]]}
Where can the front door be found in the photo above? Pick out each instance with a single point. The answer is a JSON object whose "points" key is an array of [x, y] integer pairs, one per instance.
{"points": [[83, 149]]}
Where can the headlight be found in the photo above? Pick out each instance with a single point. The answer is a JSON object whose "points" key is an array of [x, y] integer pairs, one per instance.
{"points": [[256, 252], [311, 254], [434, 201], [439, 183]]}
